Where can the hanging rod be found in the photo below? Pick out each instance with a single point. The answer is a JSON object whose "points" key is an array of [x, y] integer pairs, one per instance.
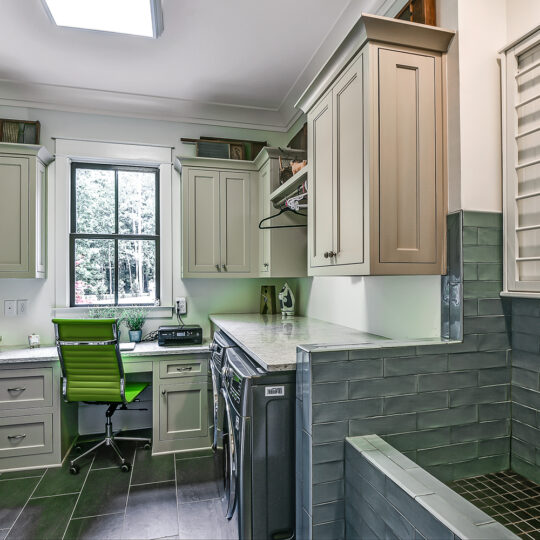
{"points": [[527, 228], [527, 196]]}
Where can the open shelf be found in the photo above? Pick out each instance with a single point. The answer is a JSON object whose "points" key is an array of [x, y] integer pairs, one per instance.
{"points": [[289, 187]]}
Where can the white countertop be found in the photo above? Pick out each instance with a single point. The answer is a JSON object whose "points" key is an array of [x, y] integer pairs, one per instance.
{"points": [[272, 341], [49, 354]]}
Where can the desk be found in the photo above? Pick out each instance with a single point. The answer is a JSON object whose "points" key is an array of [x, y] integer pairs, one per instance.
{"points": [[37, 427]]}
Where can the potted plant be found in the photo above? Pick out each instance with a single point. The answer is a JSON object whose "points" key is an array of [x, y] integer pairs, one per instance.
{"points": [[134, 319]]}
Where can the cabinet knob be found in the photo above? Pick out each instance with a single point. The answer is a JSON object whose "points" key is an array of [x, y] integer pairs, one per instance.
{"points": [[224, 266], [164, 392], [326, 254], [265, 265], [218, 268]]}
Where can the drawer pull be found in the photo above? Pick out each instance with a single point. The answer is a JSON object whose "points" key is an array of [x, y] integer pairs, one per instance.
{"points": [[17, 389], [187, 368], [17, 437]]}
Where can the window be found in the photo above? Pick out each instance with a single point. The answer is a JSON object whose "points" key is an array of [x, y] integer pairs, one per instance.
{"points": [[114, 240], [521, 123]]}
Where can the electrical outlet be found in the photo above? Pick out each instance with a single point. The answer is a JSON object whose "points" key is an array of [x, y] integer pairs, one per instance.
{"points": [[181, 305], [22, 307], [10, 308]]}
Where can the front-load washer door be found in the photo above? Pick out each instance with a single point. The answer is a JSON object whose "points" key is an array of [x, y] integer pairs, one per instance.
{"points": [[230, 463]]}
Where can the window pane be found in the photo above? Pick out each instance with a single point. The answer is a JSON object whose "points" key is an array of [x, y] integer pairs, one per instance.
{"points": [[136, 202], [94, 192], [94, 271], [136, 271]]}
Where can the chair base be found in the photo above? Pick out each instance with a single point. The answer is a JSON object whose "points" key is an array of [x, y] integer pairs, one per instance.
{"points": [[109, 440]]}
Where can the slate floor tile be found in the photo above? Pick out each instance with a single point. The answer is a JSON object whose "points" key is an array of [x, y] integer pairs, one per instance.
{"points": [[151, 511], [104, 492], [44, 518], [14, 494], [108, 527], [205, 520], [59, 481], [148, 468], [3, 533], [106, 458], [197, 479], [29, 473]]}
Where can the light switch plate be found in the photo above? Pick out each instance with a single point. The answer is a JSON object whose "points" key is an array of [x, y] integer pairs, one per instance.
{"points": [[22, 307], [10, 308]]}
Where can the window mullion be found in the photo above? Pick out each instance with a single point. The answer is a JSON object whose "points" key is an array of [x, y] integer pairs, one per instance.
{"points": [[116, 230]]}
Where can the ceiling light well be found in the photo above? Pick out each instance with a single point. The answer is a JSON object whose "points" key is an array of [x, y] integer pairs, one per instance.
{"points": [[133, 17]]}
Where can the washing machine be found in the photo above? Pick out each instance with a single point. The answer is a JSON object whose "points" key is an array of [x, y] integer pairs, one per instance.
{"points": [[220, 344], [258, 443]]}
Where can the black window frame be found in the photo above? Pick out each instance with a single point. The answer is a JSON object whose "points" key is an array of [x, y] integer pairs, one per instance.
{"points": [[116, 236]]}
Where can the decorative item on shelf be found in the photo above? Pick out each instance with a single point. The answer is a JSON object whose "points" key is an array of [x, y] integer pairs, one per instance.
{"points": [[33, 341], [236, 151], [298, 165], [19, 131], [286, 301], [268, 299], [285, 171], [217, 147], [134, 319]]}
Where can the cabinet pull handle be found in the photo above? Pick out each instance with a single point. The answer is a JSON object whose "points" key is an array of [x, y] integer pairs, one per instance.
{"points": [[164, 392], [224, 266], [332, 254], [17, 389], [266, 265], [17, 436], [188, 368], [218, 268]]}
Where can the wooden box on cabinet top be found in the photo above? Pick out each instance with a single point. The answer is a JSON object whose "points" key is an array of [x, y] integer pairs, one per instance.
{"points": [[376, 148], [23, 210]]}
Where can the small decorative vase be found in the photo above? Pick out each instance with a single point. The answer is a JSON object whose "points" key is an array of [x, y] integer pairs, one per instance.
{"points": [[135, 336]]}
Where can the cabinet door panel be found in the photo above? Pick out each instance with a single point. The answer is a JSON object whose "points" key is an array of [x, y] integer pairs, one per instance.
{"points": [[264, 211], [348, 195], [203, 222], [41, 219], [235, 221], [183, 410], [14, 214], [408, 169], [320, 183]]}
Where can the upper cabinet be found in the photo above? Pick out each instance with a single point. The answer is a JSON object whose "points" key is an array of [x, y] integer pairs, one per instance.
{"points": [[377, 201], [23, 210], [223, 202]]}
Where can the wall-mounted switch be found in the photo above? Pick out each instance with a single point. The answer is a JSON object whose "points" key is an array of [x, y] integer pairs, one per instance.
{"points": [[10, 308], [22, 307], [181, 306]]}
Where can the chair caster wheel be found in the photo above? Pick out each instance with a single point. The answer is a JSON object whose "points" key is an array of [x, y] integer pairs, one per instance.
{"points": [[78, 449], [74, 469], [147, 446], [125, 467]]}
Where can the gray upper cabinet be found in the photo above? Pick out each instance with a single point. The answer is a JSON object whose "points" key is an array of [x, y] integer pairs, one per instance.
{"points": [[377, 185], [23, 210], [219, 210]]}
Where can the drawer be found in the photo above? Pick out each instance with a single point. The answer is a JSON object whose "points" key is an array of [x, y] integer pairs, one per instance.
{"points": [[26, 435], [137, 367], [26, 388], [185, 366]]}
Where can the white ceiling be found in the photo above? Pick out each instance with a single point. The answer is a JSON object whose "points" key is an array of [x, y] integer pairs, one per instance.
{"points": [[234, 62]]}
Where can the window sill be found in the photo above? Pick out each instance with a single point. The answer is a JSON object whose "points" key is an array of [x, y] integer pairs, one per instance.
{"points": [[154, 312]]}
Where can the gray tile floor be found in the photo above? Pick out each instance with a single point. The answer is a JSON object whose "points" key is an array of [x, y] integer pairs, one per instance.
{"points": [[508, 498], [170, 496]]}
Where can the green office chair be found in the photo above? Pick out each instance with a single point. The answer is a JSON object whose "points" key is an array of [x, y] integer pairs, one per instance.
{"points": [[92, 372]]}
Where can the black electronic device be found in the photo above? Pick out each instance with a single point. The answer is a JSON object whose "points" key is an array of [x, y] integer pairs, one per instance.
{"points": [[188, 334]]}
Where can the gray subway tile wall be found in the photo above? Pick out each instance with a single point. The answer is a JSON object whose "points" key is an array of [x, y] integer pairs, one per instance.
{"points": [[433, 398]]}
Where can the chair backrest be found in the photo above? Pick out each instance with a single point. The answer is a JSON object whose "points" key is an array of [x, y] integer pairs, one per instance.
{"points": [[90, 358]]}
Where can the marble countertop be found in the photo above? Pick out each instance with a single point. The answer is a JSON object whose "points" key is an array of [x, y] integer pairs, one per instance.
{"points": [[272, 341], [21, 353]]}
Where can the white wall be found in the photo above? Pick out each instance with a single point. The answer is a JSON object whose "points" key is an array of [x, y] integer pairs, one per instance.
{"points": [[521, 17], [203, 296]]}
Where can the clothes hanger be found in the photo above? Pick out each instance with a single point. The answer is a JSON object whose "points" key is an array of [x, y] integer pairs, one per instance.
{"points": [[282, 211]]}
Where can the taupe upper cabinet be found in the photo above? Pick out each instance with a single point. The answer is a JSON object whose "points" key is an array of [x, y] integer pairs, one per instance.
{"points": [[23, 210], [377, 202], [218, 219]]}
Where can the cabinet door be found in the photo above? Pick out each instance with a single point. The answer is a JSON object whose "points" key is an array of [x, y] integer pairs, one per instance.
{"points": [[203, 221], [410, 205], [41, 220], [264, 211], [235, 221], [349, 179], [14, 214], [183, 409], [320, 236]]}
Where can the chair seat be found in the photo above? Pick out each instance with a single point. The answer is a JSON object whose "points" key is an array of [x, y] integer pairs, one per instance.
{"points": [[133, 389]]}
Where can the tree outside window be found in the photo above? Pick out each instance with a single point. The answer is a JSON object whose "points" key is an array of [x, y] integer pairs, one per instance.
{"points": [[114, 240]]}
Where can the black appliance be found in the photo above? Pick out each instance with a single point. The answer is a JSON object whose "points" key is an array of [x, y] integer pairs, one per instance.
{"points": [[188, 334], [258, 444], [218, 347]]}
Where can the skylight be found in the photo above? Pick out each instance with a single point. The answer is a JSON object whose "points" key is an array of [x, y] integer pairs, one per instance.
{"points": [[134, 17]]}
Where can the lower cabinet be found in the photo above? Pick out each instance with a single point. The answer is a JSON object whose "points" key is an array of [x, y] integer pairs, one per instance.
{"points": [[182, 393]]}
